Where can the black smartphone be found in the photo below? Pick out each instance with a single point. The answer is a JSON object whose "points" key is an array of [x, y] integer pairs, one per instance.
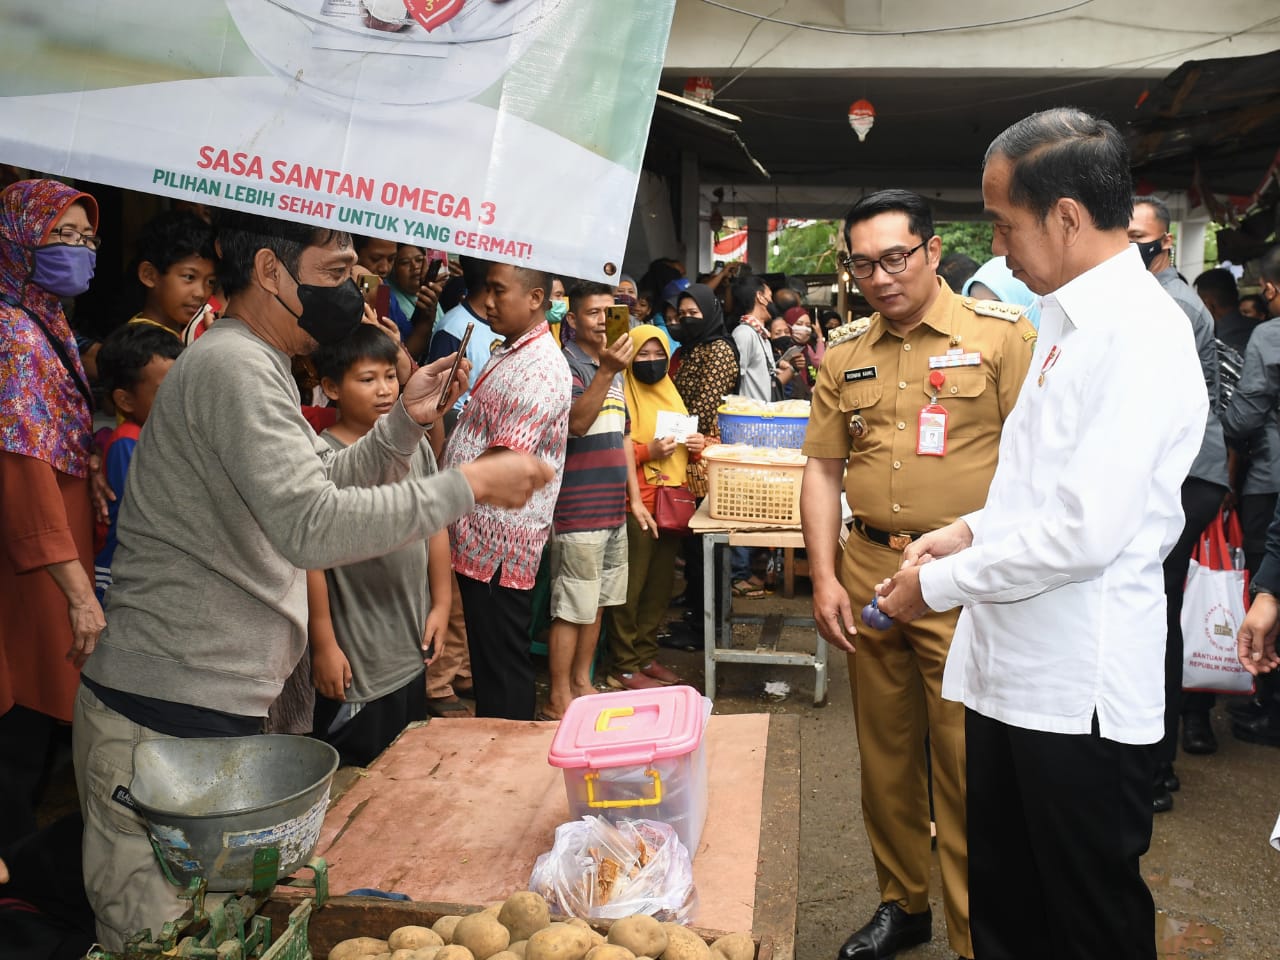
{"points": [[453, 370], [434, 269], [719, 265]]}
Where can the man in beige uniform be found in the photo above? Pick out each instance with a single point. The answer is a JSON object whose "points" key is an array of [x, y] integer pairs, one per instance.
{"points": [[913, 400]]}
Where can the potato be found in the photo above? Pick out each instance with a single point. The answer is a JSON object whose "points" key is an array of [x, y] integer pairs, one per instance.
{"points": [[423, 953], [559, 941], [358, 947], [517, 948], [684, 944], [610, 951], [524, 914], [444, 927], [640, 934], [493, 910], [454, 952], [504, 955], [482, 934], [736, 946], [597, 938], [411, 938]]}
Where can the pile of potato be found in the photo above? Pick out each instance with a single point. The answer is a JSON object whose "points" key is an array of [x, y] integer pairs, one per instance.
{"points": [[521, 929]]}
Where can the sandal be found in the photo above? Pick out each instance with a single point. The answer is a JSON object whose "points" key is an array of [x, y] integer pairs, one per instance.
{"points": [[748, 591]]}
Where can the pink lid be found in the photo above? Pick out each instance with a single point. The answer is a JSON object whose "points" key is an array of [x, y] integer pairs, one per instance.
{"points": [[628, 728]]}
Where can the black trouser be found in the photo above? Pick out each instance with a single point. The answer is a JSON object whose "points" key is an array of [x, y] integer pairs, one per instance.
{"points": [[1257, 510], [1057, 824], [498, 640], [380, 721], [26, 744], [1201, 501]]}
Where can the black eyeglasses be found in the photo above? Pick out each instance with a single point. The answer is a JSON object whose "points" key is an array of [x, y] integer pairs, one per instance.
{"points": [[862, 269], [73, 237]]}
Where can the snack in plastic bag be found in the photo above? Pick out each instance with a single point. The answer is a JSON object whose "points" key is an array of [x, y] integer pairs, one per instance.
{"points": [[606, 871]]}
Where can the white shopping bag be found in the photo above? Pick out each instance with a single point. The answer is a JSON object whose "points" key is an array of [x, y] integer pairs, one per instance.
{"points": [[1213, 608]]}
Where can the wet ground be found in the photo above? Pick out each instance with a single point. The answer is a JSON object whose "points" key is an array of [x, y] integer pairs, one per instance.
{"points": [[1211, 871]]}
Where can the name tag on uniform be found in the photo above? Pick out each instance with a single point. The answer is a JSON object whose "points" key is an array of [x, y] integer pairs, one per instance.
{"points": [[862, 373], [955, 359]]}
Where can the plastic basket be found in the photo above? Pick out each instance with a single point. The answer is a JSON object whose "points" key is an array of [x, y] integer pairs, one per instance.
{"points": [[757, 431], [756, 492]]}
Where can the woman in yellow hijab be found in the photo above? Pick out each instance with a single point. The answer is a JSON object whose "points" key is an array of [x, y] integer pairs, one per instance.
{"points": [[651, 553]]}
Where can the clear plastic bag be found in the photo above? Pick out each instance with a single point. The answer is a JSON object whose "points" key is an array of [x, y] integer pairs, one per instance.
{"points": [[606, 871]]}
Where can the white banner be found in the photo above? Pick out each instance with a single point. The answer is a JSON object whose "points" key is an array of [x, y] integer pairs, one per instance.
{"points": [[508, 129]]}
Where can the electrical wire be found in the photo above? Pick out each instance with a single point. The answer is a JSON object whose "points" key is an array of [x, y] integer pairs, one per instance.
{"points": [[845, 31]]}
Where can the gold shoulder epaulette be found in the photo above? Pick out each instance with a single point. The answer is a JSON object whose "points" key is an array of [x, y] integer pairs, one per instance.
{"points": [[848, 331], [995, 308]]}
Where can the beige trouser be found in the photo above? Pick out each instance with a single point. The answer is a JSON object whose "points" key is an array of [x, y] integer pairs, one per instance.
{"points": [[896, 679], [122, 877], [454, 662]]}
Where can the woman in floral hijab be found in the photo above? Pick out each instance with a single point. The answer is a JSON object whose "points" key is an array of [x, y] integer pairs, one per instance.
{"points": [[49, 616]]}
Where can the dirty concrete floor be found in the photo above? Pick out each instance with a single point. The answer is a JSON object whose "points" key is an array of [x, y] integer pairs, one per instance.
{"points": [[1211, 871]]}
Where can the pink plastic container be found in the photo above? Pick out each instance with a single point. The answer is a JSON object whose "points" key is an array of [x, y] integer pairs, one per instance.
{"points": [[637, 755]]}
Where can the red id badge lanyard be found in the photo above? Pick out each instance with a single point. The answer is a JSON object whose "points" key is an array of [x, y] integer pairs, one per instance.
{"points": [[931, 440]]}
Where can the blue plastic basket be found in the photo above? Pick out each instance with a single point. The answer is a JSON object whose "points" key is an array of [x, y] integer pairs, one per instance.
{"points": [[757, 431]]}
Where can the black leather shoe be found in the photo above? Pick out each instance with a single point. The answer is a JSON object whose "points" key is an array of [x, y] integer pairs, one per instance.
{"points": [[1197, 735], [1167, 778], [1246, 708], [1264, 730], [1161, 799], [891, 929]]}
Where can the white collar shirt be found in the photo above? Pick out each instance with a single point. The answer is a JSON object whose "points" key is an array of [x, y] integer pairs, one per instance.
{"points": [[1062, 589]]}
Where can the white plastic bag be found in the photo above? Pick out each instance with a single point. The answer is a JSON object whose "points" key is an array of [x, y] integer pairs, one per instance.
{"points": [[605, 871], [1212, 610]]}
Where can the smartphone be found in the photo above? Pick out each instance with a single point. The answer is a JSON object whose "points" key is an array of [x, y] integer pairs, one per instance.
{"points": [[368, 283], [617, 323], [434, 269], [718, 266], [453, 370]]}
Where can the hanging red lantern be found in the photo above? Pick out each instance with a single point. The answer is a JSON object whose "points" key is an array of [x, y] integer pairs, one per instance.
{"points": [[862, 116]]}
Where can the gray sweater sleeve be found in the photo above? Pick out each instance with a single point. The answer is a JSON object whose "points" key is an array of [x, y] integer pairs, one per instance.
{"points": [[317, 508], [1258, 393]]}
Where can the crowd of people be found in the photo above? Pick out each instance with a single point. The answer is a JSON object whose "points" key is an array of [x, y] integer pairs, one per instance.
{"points": [[346, 483]]}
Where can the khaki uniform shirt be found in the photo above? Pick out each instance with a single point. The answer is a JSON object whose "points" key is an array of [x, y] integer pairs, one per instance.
{"points": [[884, 378]]}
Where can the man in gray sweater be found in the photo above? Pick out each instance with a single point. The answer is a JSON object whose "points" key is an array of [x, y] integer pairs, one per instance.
{"points": [[230, 499]]}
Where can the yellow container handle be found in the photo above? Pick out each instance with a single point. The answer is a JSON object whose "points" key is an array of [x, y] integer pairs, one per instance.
{"points": [[606, 717], [653, 801]]}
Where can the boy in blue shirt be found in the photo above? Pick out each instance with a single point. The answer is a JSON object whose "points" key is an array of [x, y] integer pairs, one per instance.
{"points": [[131, 364], [373, 625]]}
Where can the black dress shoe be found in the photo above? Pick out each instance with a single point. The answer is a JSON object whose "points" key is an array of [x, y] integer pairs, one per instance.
{"points": [[1165, 777], [1161, 799], [891, 929], [1246, 708], [1197, 735], [1264, 730]]}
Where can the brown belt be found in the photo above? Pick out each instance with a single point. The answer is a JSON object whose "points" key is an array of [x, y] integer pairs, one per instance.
{"points": [[895, 541]]}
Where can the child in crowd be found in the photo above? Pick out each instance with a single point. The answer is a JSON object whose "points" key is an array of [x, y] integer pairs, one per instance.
{"points": [[589, 541], [373, 625], [176, 263], [132, 362]]}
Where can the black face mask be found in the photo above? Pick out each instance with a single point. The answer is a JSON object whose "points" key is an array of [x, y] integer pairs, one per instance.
{"points": [[649, 371], [1149, 250], [774, 312], [329, 314], [782, 344]]}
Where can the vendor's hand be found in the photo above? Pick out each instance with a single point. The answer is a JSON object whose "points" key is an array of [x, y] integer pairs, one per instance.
{"points": [[615, 359], [661, 447], [435, 634], [330, 671], [429, 294], [87, 624], [100, 491], [695, 443], [505, 478], [644, 518], [1256, 642], [4, 873], [900, 598], [422, 391], [943, 542], [833, 613]]}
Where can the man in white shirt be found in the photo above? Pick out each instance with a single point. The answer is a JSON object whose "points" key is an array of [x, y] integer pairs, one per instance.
{"points": [[1058, 655]]}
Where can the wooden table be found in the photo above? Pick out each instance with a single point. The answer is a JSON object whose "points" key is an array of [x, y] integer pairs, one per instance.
{"points": [[717, 638], [455, 812]]}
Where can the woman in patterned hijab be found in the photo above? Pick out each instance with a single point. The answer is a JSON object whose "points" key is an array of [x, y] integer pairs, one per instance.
{"points": [[49, 616]]}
